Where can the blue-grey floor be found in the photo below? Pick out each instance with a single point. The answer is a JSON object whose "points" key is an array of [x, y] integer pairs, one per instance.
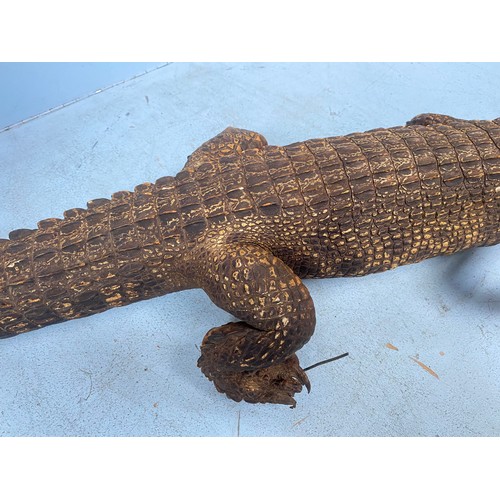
{"points": [[423, 340], [29, 89]]}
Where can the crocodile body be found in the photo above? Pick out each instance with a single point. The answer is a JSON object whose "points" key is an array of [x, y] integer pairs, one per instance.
{"points": [[247, 222]]}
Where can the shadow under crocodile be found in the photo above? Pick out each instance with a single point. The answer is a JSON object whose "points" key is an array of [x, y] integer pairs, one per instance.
{"points": [[467, 274]]}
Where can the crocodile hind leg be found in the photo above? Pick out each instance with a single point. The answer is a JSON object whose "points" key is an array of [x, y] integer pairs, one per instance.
{"points": [[254, 360], [433, 119], [228, 142]]}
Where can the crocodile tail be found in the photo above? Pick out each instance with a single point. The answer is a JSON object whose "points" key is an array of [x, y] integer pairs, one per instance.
{"points": [[110, 254], [7, 309], [19, 306]]}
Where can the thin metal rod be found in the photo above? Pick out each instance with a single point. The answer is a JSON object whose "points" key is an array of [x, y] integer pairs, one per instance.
{"points": [[326, 361]]}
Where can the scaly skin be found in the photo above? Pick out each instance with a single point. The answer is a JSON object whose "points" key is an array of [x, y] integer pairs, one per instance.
{"points": [[247, 222]]}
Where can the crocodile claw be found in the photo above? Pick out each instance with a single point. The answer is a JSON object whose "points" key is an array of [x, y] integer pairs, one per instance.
{"points": [[276, 384], [305, 380]]}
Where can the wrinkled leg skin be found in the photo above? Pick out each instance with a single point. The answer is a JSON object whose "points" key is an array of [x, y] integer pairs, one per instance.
{"points": [[254, 359]]}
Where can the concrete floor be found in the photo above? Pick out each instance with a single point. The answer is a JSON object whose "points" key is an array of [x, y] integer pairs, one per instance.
{"points": [[423, 340], [30, 89]]}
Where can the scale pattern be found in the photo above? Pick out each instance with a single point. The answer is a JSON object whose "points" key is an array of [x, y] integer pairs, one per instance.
{"points": [[247, 222]]}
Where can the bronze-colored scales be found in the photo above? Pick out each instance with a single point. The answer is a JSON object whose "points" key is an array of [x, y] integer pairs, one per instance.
{"points": [[247, 222]]}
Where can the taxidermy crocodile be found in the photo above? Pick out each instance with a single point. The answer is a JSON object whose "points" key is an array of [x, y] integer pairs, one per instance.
{"points": [[246, 222]]}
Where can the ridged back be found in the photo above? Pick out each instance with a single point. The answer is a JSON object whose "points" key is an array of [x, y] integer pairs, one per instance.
{"points": [[344, 206]]}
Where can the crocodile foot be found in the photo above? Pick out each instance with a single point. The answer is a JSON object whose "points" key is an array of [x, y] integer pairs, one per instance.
{"points": [[275, 384]]}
